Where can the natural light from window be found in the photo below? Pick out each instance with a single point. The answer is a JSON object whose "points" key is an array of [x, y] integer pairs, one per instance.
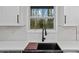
{"points": [[42, 16]]}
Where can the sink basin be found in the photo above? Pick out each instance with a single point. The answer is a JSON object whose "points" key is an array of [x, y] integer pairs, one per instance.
{"points": [[43, 48], [48, 46]]}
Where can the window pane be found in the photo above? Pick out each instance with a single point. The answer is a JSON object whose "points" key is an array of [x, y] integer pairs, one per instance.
{"points": [[39, 11], [50, 23], [40, 23], [51, 12], [36, 23]]}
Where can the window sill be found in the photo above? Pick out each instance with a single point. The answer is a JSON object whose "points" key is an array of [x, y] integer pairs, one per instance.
{"points": [[39, 31]]}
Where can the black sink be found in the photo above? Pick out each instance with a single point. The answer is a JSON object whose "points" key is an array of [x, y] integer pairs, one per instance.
{"points": [[48, 46], [45, 48]]}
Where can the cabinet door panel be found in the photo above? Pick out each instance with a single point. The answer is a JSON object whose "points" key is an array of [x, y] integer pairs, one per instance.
{"points": [[67, 33], [8, 14], [71, 13]]}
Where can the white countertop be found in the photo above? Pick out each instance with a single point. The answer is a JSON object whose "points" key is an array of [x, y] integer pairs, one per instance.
{"points": [[15, 45], [12, 45], [69, 45]]}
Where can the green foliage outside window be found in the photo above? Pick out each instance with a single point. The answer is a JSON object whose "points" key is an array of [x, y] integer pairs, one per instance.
{"points": [[40, 23]]}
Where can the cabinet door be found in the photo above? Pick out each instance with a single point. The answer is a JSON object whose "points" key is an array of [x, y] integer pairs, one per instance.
{"points": [[9, 14], [72, 14], [67, 33], [60, 15]]}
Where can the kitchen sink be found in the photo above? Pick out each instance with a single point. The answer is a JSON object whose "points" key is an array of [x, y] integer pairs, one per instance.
{"points": [[48, 46], [42, 48]]}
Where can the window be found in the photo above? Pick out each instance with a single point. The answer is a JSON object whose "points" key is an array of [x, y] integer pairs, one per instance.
{"points": [[42, 16]]}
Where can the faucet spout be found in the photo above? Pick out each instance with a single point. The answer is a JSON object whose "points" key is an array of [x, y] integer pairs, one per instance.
{"points": [[44, 33]]}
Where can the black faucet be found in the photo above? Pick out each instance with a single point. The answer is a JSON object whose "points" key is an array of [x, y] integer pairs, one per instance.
{"points": [[44, 32]]}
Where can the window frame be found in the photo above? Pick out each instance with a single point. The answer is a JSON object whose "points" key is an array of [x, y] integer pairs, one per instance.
{"points": [[39, 30]]}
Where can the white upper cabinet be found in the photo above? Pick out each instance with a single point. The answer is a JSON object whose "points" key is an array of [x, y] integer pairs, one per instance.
{"points": [[9, 16], [72, 15], [60, 15]]}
